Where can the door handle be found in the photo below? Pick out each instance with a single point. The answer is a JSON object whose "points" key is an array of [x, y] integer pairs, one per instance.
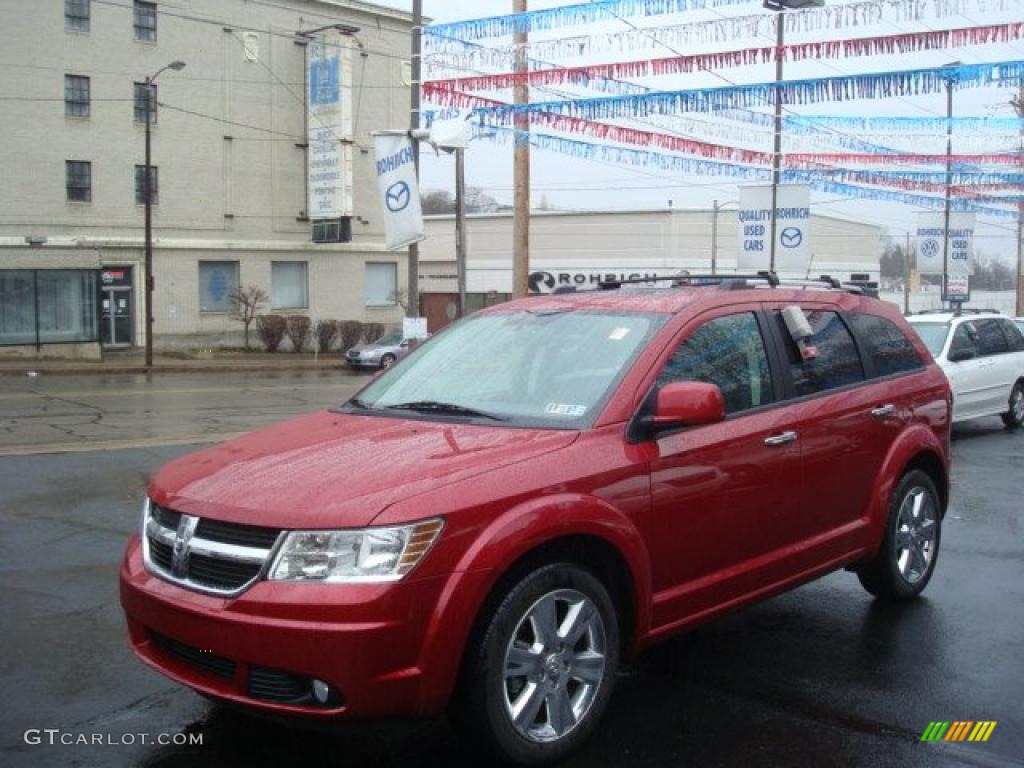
{"points": [[883, 410], [780, 439]]}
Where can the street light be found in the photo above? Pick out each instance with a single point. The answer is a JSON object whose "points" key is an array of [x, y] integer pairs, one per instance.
{"points": [[177, 66], [779, 6], [949, 176]]}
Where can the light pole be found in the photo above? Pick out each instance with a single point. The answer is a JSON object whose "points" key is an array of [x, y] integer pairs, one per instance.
{"points": [[177, 66], [949, 180], [780, 6], [715, 208], [1018, 106]]}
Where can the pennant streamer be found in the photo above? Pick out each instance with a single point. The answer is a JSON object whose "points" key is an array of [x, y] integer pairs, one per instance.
{"points": [[452, 39], [840, 88], [567, 16], [661, 161], [675, 65]]}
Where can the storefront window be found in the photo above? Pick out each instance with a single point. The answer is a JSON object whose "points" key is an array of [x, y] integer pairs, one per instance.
{"points": [[218, 281], [48, 306]]}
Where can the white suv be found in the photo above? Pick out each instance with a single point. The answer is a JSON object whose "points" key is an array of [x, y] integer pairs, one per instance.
{"points": [[982, 354]]}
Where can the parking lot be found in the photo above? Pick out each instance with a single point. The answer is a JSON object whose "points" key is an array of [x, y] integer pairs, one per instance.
{"points": [[823, 675]]}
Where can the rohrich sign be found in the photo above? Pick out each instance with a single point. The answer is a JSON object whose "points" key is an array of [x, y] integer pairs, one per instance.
{"points": [[548, 281], [792, 232]]}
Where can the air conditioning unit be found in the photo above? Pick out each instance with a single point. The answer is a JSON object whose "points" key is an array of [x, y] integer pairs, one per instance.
{"points": [[333, 230]]}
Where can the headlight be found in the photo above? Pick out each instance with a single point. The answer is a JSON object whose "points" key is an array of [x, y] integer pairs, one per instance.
{"points": [[354, 556]]}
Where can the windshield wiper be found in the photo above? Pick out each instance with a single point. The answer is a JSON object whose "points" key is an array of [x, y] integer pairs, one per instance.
{"points": [[439, 407]]}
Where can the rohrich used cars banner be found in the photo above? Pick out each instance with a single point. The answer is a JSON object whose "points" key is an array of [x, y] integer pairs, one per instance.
{"points": [[399, 190]]}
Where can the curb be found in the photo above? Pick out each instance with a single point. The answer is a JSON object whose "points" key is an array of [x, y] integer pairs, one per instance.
{"points": [[137, 369]]}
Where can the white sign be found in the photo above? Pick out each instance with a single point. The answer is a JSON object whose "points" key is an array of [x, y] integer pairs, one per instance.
{"points": [[399, 191], [792, 241], [329, 121], [414, 328], [958, 288], [931, 231]]}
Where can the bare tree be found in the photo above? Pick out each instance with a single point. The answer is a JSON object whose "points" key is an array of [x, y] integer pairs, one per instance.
{"points": [[247, 302], [401, 298]]}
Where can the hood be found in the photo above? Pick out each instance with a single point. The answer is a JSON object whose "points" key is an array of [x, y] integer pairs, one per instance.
{"points": [[338, 470]]}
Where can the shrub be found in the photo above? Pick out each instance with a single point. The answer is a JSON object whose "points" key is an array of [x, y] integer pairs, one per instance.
{"points": [[271, 330], [326, 332], [373, 331], [350, 331], [299, 329]]}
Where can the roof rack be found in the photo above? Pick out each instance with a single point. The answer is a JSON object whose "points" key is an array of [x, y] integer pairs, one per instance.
{"points": [[960, 311], [733, 282]]}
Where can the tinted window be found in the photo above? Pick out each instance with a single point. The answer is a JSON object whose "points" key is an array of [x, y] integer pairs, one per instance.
{"points": [[889, 350], [828, 358], [963, 341], [991, 340], [1014, 336], [730, 353]]}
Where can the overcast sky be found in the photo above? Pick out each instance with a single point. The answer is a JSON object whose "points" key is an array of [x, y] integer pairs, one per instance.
{"points": [[569, 183]]}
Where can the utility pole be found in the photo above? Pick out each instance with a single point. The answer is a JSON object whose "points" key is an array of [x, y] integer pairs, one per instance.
{"points": [[714, 235], [780, 47], [906, 276], [460, 227], [416, 61], [1018, 106], [147, 187], [521, 167]]}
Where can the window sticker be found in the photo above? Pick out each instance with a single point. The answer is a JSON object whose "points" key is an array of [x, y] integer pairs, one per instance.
{"points": [[618, 334], [568, 410]]}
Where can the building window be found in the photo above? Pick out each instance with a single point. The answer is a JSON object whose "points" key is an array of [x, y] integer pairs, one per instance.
{"points": [[381, 285], [76, 96], [48, 306], [76, 15], [145, 21], [218, 281], [78, 180], [140, 185], [289, 287], [139, 99]]}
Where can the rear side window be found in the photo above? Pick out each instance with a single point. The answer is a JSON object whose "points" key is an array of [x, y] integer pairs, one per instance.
{"points": [[991, 340], [963, 343], [730, 353], [888, 347], [1013, 334], [831, 358]]}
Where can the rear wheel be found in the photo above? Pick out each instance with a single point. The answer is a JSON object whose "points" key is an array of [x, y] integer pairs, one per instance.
{"points": [[906, 560], [538, 681], [1014, 416]]}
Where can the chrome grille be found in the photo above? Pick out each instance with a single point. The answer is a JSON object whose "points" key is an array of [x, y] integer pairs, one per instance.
{"points": [[203, 554]]}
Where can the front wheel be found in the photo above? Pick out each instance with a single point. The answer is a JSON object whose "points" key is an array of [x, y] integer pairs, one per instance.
{"points": [[538, 680], [387, 361], [1014, 417], [906, 560]]}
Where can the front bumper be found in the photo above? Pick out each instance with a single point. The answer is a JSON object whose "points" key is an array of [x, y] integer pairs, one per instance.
{"points": [[363, 362], [365, 641]]}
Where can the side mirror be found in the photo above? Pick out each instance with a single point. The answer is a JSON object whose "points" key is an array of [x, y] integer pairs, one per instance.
{"points": [[959, 355], [686, 403]]}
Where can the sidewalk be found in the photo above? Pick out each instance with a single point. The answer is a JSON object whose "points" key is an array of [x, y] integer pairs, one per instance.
{"points": [[129, 363]]}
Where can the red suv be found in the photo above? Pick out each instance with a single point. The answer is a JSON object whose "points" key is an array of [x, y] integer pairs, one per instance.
{"points": [[537, 494]]}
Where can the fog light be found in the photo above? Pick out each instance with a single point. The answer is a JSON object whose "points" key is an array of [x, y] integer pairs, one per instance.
{"points": [[321, 691]]}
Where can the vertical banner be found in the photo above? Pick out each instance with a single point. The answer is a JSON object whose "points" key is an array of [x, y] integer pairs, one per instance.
{"points": [[931, 232], [399, 191], [329, 126], [792, 241]]}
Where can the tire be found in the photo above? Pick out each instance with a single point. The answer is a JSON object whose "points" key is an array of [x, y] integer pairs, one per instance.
{"points": [[906, 559], [519, 660], [1014, 416], [387, 361]]}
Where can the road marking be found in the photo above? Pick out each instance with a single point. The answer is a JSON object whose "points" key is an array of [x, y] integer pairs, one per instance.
{"points": [[117, 445]]}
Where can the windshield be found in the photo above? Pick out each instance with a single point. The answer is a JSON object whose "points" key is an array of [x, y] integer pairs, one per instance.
{"points": [[389, 339], [526, 368], [933, 335]]}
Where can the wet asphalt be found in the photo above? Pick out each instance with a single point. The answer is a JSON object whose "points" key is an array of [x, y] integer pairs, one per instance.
{"points": [[823, 675]]}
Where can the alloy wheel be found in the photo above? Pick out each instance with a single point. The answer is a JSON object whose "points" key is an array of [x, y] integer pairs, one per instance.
{"points": [[915, 534]]}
